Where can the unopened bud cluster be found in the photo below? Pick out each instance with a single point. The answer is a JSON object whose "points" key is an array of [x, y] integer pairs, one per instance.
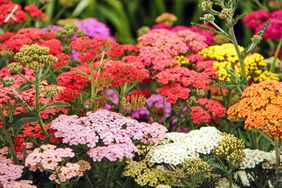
{"points": [[15, 68], [166, 18], [8, 82], [35, 57], [226, 12], [230, 149]]}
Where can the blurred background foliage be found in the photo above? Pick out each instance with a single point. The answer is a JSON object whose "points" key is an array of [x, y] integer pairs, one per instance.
{"points": [[125, 17]]}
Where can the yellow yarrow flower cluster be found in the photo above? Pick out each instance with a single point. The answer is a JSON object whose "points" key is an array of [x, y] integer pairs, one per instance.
{"points": [[144, 172], [182, 60], [225, 58]]}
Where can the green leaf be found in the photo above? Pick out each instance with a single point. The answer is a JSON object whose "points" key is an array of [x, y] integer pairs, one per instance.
{"points": [[80, 8], [24, 86], [238, 18], [24, 120], [55, 105], [206, 28], [255, 43]]}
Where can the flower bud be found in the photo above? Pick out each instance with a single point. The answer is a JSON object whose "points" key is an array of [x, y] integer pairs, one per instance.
{"points": [[143, 30], [50, 92], [8, 81], [208, 18], [15, 68], [225, 13], [206, 5], [166, 18]]}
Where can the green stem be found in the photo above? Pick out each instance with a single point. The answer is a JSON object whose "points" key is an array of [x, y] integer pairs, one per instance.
{"points": [[277, 155], [239, 54], [9, 139], [92, 81], [37, 104], [230, 180], [272, 68], [108, 180]]}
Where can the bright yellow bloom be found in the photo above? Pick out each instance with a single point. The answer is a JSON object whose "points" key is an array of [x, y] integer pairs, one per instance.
{"points": [[225, 59], [182, 60]]}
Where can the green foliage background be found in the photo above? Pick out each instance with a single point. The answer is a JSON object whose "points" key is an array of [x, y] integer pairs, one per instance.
{"points": [[125, 17]]}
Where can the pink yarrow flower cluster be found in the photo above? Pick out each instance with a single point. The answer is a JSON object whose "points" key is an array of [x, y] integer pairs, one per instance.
{"points": [[47, 157], [159, 49], [10, 173], [257, 19], [107, 134]]}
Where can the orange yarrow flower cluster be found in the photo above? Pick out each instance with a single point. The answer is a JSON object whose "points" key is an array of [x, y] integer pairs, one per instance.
{"points": [[261, 106]]}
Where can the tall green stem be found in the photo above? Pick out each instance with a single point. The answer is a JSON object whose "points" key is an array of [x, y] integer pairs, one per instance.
{"points": [[92, 81], [272, 68], [37, 104], [239, 54], [9, 139], [277, 155]]}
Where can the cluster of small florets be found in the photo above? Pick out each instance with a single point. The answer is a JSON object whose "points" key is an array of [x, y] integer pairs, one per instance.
{"points": [[257, 19], [47, 157], [225, 57], [164, 51], [255, 157], [10, 173], [107, 134], [231, 149], [35, 57], [260, 106], [178, 147], [144, 173], [206, 111], [65, 173]]}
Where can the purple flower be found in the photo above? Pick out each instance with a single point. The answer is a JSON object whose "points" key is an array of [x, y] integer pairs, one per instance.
{"points": [[93, 28]]}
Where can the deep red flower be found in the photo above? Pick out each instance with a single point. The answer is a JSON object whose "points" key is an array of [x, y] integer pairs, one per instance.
{"points": [[91, 49], [19, 16], [173, 92], [34, 11]]}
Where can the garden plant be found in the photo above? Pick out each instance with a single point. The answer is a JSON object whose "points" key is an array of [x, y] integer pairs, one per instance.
{"points": [[136, 93]]}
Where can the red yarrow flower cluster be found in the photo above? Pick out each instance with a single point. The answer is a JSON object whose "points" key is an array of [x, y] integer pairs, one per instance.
{"points": [[28, 36], [31, 132], [125, 72], [6, 8], [207, 111], [91, 49], [34, 11]]}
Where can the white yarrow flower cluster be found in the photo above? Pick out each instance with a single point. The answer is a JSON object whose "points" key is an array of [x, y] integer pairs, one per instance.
{"points": [[177, 147], [255, 157], [204, 140]]}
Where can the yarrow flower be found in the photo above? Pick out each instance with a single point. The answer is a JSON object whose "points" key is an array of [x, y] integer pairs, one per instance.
{"points": [[107, 134], [91, 49], [93, 28], [207, 111], [34, 11], [35, 57], [257, 19], [177, 147], [225, 57], [65, 173], [261, 107], [125, 72], [47, 157], [255, 157], [6, 8], [159, 49], [157, 105]]}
